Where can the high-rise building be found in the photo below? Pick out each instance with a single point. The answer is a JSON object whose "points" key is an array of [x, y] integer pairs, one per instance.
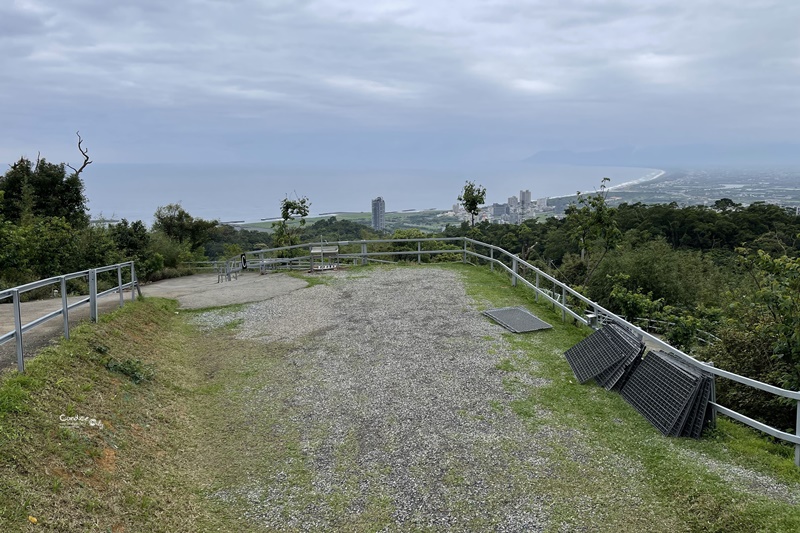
{"points": [[378, 214], [525, 198], [513, 201]]}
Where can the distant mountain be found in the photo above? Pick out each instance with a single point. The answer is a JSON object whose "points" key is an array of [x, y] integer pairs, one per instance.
{"points": [[675, 156]]}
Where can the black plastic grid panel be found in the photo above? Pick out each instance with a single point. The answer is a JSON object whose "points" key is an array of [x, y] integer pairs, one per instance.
{"points": [[630, 346], [603, 355], [697, 417], [615, 376], [625, 336], [593, 355], [517, 319], [661, 391], [683, 418]]}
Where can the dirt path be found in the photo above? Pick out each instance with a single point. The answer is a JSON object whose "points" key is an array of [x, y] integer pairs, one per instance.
{"points": [[192, 292]]}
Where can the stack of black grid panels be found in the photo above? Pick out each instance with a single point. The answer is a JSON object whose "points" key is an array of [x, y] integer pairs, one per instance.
{"points": [[671, 394], [608, 355]]}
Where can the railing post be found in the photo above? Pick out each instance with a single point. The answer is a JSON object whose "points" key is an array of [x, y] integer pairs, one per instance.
{"points": [[363, 253], [714, 399], [65, 306], [119, 285], [311, 258], [537, 287], [797, 432], [514, 268], [93, 295], [419, 249], [18, 332], [491, 256], [133, 282], [563, 303], [465, 251]]}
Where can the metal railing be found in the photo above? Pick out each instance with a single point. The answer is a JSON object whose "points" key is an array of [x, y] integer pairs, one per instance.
{"points": [[15, 293], [572, 304]]}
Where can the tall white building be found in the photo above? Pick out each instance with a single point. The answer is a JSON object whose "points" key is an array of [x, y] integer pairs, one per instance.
{"points": [[378, 214], [525, 198]]}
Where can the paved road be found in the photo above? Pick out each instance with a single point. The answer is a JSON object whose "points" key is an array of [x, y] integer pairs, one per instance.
{"points": [[192, 292]]}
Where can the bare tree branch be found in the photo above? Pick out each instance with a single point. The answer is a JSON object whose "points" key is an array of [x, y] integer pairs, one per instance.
{"points": [[84, 153]]}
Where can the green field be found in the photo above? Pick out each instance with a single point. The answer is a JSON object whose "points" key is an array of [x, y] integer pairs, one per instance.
{"points": [[428, 221]]}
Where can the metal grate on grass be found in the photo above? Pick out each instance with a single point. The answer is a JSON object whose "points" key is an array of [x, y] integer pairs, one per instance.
{"points": [[606, 355], [662, 391], [699, 414], [517, 319]]}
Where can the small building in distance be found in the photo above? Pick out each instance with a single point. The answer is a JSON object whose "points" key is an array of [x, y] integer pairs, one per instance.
{"points": [[378, 214]]}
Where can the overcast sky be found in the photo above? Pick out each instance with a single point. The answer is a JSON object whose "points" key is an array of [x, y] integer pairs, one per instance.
{"points": [[383, 82]]}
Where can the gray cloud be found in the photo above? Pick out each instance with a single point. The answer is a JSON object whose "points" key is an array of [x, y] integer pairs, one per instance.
{"points": [[172, 79]]}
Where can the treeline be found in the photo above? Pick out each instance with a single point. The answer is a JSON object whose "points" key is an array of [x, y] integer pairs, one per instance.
{"points": [[45, 230]]}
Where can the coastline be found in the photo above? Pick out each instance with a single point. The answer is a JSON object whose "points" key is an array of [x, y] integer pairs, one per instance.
{"points": [[658, 174], [654, 175]]}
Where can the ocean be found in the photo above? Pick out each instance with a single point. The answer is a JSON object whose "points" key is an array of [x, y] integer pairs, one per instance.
{"points": [[249, 193]]}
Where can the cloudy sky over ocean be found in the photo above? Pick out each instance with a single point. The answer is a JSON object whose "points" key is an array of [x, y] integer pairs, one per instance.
{"points": [[335, 84]]}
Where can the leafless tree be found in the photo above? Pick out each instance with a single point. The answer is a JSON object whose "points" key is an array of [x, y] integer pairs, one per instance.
{"points": [[84, 153]]}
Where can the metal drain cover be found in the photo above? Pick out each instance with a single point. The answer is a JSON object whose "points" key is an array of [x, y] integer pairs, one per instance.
{"points": [[517, 319]]}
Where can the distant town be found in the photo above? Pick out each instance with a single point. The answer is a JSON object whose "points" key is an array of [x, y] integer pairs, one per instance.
{"points": [[778, 186]]}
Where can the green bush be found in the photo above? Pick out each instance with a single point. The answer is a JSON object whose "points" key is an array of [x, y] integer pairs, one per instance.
{"points": [[747, 351]]}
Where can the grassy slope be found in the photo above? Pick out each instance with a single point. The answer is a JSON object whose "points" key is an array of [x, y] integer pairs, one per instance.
{"points": [[188, 433], [138, 472], [671, 478]]}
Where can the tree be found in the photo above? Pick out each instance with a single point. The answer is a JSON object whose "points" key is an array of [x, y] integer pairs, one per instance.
{"points": [[177, 224], [471, 198], [43, 189], [286, 235], [593, 228], [760, 338], [131, 239]]}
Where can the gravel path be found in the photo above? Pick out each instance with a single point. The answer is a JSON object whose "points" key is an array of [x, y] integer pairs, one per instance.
{"points": [[399, 391]]}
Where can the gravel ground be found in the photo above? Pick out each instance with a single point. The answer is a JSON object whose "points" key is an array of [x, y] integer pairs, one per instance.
{"points": [[399, 391]]}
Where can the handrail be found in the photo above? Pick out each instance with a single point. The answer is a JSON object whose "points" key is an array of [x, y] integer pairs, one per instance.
{"points": [[91, 275]]}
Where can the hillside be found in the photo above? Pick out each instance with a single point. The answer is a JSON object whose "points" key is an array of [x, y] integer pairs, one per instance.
{"points": [[321, 409]]}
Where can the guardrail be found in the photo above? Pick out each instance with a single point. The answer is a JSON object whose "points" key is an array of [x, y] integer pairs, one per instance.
{"points": [[61, 281], [571, 303]]}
